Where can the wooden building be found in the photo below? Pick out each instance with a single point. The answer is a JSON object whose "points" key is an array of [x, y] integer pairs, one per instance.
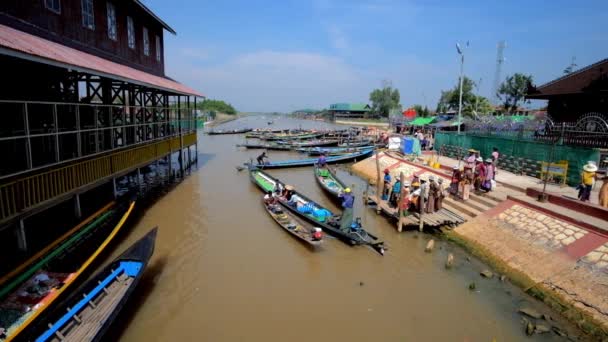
{"points": [[84, 99], [575, 96], [349, 110]]}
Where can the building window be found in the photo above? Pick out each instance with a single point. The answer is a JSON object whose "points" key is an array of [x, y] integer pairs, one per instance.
{"points": [[88, 20], [158, 51], [146, 42], [53, 5], [131, 32], [112, 31]]}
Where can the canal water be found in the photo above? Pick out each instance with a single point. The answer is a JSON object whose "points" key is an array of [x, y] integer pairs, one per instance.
{"points": [[223, 270]]}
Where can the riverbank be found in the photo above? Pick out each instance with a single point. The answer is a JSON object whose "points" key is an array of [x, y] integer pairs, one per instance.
{"points": [[221, 118], [556, 254]]}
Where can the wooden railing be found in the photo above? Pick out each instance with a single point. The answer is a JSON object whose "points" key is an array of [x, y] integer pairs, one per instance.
{"points": [[27, 192]]}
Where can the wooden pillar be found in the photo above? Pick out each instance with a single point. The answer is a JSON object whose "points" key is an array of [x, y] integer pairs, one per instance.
{"points": [[378, 183], [115, 192], [21, 239], [181, 137], [400, 204], [423, 187], [77, 209]]}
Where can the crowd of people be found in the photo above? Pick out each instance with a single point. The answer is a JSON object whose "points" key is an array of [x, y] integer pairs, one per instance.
{"points": [[476, 174], [419, 194]]}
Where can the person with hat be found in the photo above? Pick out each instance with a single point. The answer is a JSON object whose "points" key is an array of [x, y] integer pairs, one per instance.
{"points": [[347, 214], [404, 198], [396, 193], [455, 181], [288, 192], [440, 195], [480, 173], [588, 177], [495, 155], [433, 190], [387, 184], [470, 159], [414, 198], [487, 182]]}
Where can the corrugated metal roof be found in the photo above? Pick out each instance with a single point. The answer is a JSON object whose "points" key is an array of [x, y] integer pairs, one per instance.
{"points": [[573, 83], [24, 45], [422, 121]]}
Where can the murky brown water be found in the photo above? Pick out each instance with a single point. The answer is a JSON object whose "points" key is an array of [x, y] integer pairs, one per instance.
{"points": [[224, 271]]}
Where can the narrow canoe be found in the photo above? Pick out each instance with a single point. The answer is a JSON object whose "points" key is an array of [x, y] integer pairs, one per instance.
{"points": [[332, 151], [329, 182], [329, 222], [311, 161], [312, 143], [355, 144], [229, 131], [275, 147], [43, 288], [88, 312], [271, 137], [291, 224]]}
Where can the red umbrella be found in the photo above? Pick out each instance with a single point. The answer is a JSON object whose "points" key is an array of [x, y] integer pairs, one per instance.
{"points": [[409, 113]]}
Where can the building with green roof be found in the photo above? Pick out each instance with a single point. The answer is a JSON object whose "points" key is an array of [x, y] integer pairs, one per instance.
{"points": [[350, 110]]}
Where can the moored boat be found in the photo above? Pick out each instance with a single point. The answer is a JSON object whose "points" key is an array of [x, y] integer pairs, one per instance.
{"points": [[312, 143], [288, 221], [329, 182], [229, 131], [26, 297], [88, 312], [289, 136], [332, 151], [316, 214], [267, 146], [311, 161]]}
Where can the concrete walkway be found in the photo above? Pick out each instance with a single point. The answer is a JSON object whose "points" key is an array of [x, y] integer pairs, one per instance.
{"points": [[522, 182]]}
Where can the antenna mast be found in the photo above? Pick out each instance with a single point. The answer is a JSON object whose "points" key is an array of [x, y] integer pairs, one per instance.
{"points": [[500, 59]]}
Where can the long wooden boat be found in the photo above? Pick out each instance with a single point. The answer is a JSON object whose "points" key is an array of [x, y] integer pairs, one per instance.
{"points": [[316, 214], [311, 161], [267, 146], [88, 312], [290, 223], [332, 151], [256, 133], [26, 297], [329, 182], [229, 131], [312, 143], [355, 143], [287, 136]]}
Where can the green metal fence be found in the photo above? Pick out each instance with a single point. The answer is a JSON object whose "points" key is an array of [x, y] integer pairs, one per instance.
{"points": [[518, 155]]}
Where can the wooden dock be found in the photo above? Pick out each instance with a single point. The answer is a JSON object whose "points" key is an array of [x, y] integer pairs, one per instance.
{"points": [[443, 217]]}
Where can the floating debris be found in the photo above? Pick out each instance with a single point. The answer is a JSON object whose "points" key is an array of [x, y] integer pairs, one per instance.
{"points": [[430, 246], [450, 261], [530, 312], [487, 274]]}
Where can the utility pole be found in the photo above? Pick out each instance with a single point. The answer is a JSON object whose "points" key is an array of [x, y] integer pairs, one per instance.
{"points": [[461, 53]]}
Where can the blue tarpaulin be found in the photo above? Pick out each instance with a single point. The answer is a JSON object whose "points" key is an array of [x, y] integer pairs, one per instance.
{"points": [[410, 145]]}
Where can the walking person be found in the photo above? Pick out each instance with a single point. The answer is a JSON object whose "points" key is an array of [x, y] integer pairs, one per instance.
{"points": [[588, 177], [346, 220], [487, 184], [466, 183], [603, 195], [495, 155]]}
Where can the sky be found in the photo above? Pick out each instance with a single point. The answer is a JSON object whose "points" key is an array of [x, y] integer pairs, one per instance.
{"points": [[285, 55]]}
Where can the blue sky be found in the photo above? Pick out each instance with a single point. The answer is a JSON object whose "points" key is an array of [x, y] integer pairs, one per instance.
{"points": [[287, 55]]}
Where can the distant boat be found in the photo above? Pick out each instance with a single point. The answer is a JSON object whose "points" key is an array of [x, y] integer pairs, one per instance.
{"points": [[88, 313], [231, 131]]}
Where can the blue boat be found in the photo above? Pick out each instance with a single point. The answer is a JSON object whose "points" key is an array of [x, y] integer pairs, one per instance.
{"points": [[88, 313], [329, 151], [312, 161]]}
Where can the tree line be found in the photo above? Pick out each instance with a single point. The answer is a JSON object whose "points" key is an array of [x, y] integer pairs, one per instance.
{"points": [[511, 93]]}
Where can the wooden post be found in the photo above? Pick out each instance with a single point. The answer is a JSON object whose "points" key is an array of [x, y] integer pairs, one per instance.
{"points": [[422, 205], [401, 199], [378, 183], [21, 238]]}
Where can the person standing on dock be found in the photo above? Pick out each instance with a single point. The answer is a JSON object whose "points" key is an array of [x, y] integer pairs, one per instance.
{"points": [[480, 173], [347, 214], [395, 195], [487, 184], [495, 155], [440, 195], [433, 189], [387, 184]]}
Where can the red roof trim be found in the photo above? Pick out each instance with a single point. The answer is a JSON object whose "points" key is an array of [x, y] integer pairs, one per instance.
{"points": [[24, 45]]}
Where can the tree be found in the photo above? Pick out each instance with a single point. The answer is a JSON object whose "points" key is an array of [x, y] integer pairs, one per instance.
{"points": [[513, 90], [450, 99], [216, 106], [479, 106], [421, 111], [384, 100]]}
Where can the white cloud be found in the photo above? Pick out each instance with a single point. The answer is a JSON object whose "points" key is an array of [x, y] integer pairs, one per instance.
{"points": [[337, 38]]}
